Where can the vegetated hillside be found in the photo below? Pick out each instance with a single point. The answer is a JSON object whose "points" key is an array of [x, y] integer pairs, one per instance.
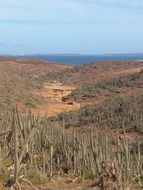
{"points": [[121, 112], [19, 80], [95, 72], [101, 141], [124, 85]]}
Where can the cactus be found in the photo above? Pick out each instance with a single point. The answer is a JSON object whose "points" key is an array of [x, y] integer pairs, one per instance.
{"points": [[33, 144]]}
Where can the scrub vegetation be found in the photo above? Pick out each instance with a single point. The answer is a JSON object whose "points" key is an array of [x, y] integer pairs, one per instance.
{"points": [[100, 142]]}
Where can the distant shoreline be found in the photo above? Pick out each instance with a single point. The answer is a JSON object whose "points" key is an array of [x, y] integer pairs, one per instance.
{"points": [[79, 59], [84, 59]]}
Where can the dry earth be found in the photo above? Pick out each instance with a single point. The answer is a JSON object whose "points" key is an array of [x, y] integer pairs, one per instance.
{"points": [[53, 94], [19, 80]]}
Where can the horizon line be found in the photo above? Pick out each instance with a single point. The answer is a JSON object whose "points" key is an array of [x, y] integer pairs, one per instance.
{"points": [[71, 54]]}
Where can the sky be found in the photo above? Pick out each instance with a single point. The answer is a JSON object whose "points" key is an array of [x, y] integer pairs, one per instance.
{"points": [[71, 26]]}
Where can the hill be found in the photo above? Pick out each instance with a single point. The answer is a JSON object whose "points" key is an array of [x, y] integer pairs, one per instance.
{"points": [[33, 66], [129, 84], [19, 80], [94, 72]]}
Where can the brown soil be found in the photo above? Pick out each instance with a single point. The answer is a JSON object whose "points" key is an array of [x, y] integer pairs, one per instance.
{"points": [[53, 94], [19, 79]]}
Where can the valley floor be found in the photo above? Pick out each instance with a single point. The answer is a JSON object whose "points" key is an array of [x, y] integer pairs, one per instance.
{"points": [[53, 94]]}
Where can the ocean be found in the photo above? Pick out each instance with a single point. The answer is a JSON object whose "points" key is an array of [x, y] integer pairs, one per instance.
{"points": [[84, 59]]}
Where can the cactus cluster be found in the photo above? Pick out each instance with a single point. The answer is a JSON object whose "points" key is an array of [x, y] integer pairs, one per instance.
{"points": [[32, 144]]}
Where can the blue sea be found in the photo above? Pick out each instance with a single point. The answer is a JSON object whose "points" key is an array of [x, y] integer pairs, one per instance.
{"points": [[84, 59]]}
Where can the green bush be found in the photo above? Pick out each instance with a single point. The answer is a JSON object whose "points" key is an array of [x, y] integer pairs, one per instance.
{"points": [[111, 86], [33, 101], [114, 113]]}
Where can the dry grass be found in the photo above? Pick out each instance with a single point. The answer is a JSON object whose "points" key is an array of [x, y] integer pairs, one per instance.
{"points": [[19, 81]]}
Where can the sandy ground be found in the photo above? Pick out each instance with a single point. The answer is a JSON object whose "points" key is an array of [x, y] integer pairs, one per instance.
{"points": [[53, 94]]}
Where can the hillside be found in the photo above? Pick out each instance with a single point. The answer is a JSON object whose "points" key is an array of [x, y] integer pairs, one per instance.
{"points": [[85, 127], [116, 113], [126, 85], [19, 80], [33, 66], [28, 82], [94, 72]]}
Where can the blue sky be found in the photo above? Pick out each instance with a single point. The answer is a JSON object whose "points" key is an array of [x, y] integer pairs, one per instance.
{"points": [[71, 26]]}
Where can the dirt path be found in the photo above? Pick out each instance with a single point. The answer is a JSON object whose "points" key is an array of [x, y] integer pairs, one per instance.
{"points": [[53, 94]]}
